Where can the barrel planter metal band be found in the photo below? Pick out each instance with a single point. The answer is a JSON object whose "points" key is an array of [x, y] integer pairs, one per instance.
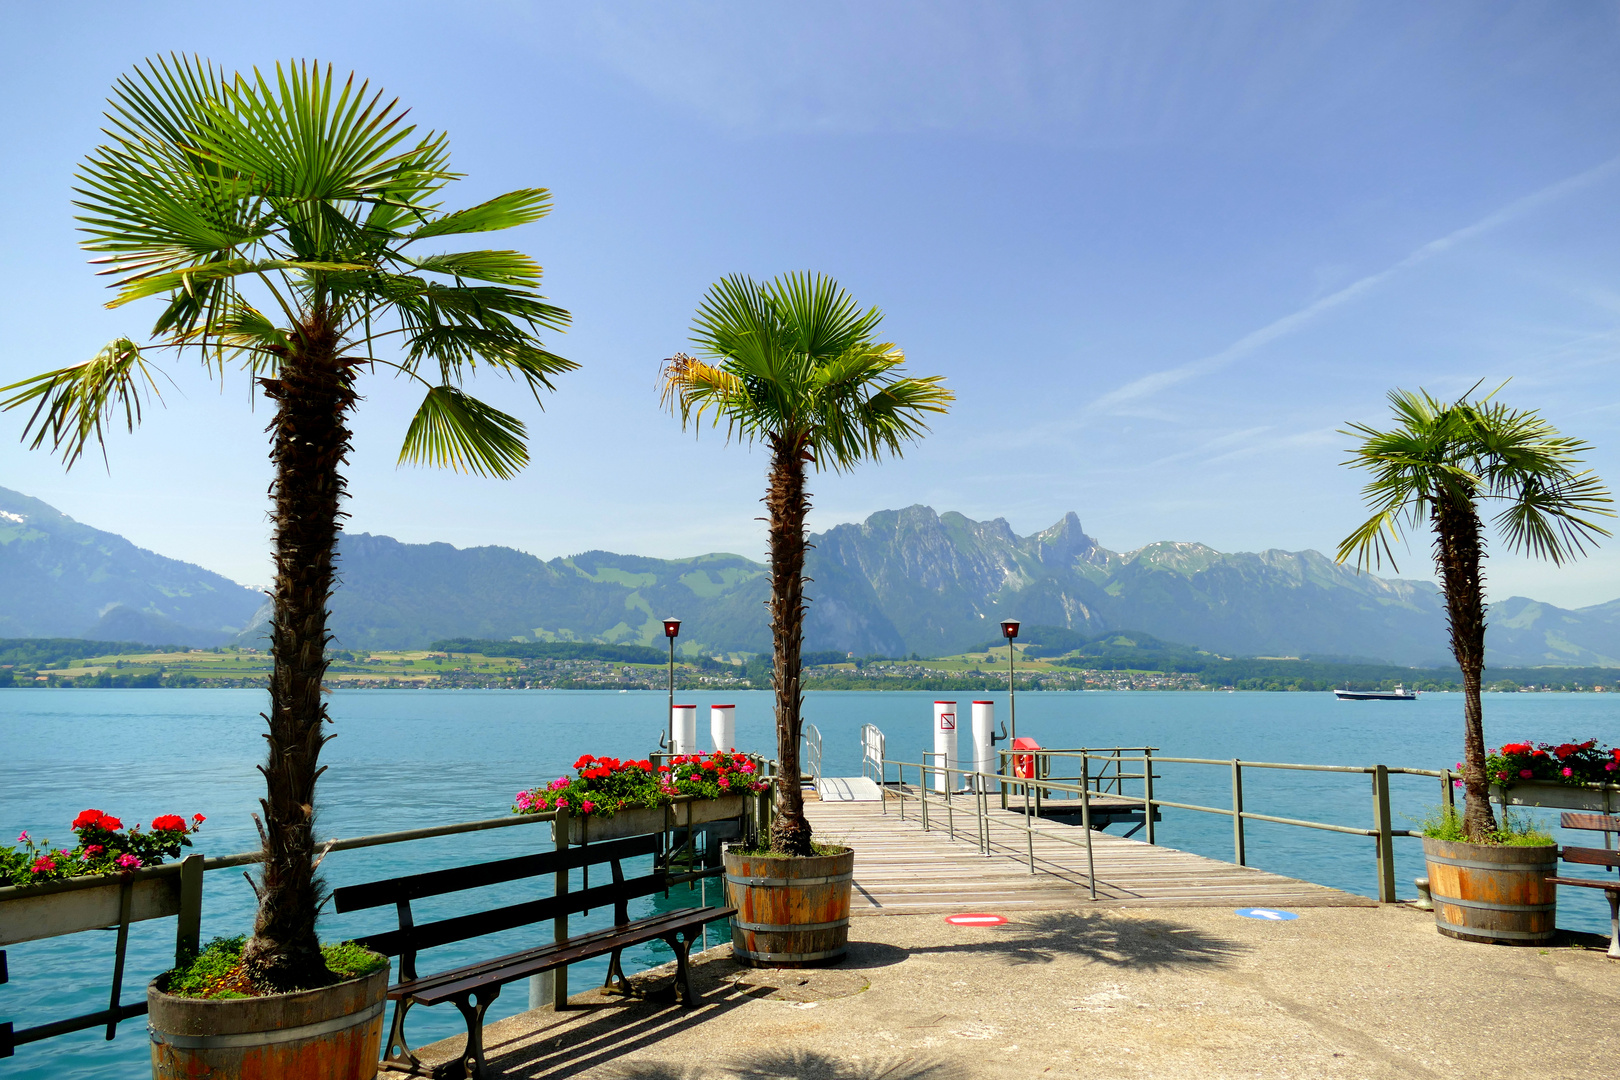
{"points": [[266, 1038], [334, 1033], [787, 883], [1493, 893], [790, 912]]}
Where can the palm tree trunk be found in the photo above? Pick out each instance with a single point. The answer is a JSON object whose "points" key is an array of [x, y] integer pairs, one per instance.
{"points": [[1459, 552], [788, 504], [310, 442]]}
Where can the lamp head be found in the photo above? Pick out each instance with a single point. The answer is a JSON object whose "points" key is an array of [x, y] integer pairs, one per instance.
{"points": [[1009, 628], [672, 627]]}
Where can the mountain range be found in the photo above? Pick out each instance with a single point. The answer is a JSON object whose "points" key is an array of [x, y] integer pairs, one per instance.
{"points": [[901, 582]]}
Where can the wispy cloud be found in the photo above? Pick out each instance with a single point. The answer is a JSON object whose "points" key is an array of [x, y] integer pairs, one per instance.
{"points": [[1133, 394]]}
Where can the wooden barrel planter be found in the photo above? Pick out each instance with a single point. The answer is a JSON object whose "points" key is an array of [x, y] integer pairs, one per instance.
{"points": [[334, 1033], [790, 912], [1493, 893]]}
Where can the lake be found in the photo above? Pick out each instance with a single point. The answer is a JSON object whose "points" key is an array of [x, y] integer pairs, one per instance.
{"points": [[409, 758]]}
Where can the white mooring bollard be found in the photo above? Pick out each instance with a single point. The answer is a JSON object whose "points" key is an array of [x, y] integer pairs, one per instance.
{"points": [[984, 753], [723, 726], [685, 729], [944, 743]]}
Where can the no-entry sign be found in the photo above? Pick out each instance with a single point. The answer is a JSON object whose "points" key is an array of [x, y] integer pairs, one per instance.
{"points": [[975, 918]]}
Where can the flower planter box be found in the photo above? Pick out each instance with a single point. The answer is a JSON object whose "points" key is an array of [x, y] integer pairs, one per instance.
{"points": [[638, 821], [28, 912], [1595, 798]]}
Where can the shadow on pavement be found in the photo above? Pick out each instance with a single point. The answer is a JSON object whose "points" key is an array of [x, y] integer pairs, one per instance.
{"points": [[798, 1065], [1041, 937]]}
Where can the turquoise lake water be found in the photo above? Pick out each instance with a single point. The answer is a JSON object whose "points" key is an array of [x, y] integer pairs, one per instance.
{"points": [[403, 759]]}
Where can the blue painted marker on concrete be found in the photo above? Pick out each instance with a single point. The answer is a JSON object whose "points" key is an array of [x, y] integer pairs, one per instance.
{"points": [[1268, 914]]}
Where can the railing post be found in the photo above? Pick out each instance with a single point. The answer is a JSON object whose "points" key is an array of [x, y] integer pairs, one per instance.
{"points": [[950, 801], [188, 932], [1239, 854], [922, 788], [1386, 837], [1448, 794], [1147, 791], [559, 929], [1085, 823], [1029, 830]]}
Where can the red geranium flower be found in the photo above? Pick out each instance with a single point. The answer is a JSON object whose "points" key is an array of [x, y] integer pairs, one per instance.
{"points": [[168, 823], [88, 819], [584, 761]]}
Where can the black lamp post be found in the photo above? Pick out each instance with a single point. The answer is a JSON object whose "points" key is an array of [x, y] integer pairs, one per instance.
{"points": [[1009, 630], [672, 629]]}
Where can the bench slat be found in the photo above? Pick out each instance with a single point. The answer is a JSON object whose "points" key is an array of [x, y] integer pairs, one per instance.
{"points": [[1589, 883], [437, 882], [1600, 822], [570, 951], [1592, 856], [461, 927]]}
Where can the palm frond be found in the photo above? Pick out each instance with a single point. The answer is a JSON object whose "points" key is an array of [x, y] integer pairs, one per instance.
{"points": [[73, 404], [510, 268], [502, 212], [453, 430]]}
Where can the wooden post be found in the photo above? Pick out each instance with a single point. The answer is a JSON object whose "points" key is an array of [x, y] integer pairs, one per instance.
{"points": [[1239, 854], [188, 932], [1448, 794], [1386, 836], [559, 926], [1147, 791]]}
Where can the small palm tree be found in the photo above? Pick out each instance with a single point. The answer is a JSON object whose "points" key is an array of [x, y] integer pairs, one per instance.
{"points": [[278, 220], [796, 368], [1439, 465]]}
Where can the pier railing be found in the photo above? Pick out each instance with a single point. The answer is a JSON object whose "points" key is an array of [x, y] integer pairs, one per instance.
{"points": [[1028, 774], [183, 898]]}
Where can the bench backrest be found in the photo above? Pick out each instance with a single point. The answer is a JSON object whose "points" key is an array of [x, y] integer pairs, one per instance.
{"points": [[1597, 823], [410, 938]]}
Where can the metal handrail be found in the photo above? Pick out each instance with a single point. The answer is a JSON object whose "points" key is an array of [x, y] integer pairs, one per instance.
{"points": [[931, 770]]}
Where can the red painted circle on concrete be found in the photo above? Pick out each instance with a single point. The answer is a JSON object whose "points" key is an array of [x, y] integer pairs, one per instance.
{"points": [[975, 918]]}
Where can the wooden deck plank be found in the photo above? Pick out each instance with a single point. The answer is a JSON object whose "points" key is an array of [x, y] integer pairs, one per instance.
{"points": [[902, 869]]}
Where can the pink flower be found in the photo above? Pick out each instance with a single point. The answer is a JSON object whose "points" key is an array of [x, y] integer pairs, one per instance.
{"points": [[127, 861], [541, 803], [1458, 783], [587, 806], [1526, 773], [22, 837], [523, 802], [747, 767], [562, 800], [1567, 771], [724, 782], [43, 865], [1611, 766], [94, 849]]}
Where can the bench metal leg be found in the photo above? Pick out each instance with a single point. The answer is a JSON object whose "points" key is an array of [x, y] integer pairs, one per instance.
{"points": [[683, 969], [616, 974], [1614, 923], [398, 1051], [472, 1058]]}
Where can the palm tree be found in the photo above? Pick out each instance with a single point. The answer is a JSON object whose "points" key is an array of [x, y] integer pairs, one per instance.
{"points": [[1440, 464], [278, 218], [796, 368]]}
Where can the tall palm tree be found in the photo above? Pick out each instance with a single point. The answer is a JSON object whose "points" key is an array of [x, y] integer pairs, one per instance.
{"points": [[278, 218], [796, 367], [1439, 466]]}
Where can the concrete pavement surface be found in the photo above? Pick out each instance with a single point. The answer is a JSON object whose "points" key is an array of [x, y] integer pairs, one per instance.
{"points": [[1358, 993]]}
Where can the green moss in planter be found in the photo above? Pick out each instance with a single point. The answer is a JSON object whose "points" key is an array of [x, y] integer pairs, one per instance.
{"points": [[817, 848], [1516, 831], [215, 973]]}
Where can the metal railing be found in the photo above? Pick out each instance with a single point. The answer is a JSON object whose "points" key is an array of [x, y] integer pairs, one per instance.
{"points": [[872, 752], [1104, 772], [188, 907], [812, 752]]}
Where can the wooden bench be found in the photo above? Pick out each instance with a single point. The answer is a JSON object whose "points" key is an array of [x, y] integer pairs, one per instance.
{"points": [[1608, 823], [473, 987]]}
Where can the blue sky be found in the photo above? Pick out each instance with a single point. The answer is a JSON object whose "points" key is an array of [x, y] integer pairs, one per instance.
{"points": [[1161, 251]]}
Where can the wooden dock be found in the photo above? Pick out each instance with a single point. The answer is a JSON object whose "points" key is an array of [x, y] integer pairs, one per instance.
{"points": [[902, 870]]}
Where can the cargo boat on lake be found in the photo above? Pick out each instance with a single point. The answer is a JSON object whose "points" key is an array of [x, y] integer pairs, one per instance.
{"points": [[1400, 693]]}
